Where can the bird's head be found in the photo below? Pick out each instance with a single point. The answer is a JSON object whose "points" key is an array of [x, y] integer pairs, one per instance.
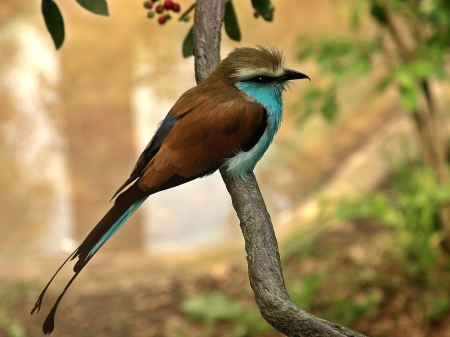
{"points": [[255, 70], [258, 64]]}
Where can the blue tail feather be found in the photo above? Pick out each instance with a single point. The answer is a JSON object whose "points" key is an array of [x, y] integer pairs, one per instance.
{"points": [[115, 227]]}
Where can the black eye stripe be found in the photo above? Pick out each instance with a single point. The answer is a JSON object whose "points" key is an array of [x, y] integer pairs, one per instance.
{"points": [[261, 79]]}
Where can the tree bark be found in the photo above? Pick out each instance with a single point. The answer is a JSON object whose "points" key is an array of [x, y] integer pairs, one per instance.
{"points": [[208, 20], [264, 265]]}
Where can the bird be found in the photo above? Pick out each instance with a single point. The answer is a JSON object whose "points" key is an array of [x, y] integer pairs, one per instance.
{"points": [[226, 122]]}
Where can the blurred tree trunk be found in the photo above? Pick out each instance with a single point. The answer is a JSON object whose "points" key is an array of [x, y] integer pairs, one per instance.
{"points": [[426, 118]]}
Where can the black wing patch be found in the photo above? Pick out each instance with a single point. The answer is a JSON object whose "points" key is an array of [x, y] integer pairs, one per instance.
{"points": [[253, 140], [164, 128]]}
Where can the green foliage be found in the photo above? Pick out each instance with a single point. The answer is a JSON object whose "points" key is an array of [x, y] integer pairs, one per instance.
{"points": [[378, 12], [265, 8], [335, 290], [54, 22], [340, 57], [9, 296], [186, 14], [302, 291], [409, 209], [230, 22], [437, 308], [99, 7], [214, 307], [188, 44], [397, 265], [302, 244], [356, 14], [339, 60], [346, 311], [329, 108], [387, 249], [411, 45], [408, 78]]}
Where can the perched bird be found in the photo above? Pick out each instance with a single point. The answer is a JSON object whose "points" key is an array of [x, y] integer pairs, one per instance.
{"points": [[227, 121]]}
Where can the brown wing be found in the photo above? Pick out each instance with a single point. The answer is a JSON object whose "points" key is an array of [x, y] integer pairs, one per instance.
{"points": [[187, 102], [208, 131]]}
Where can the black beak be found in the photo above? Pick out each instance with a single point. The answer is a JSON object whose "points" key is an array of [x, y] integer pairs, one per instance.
{"points": [[290, 74]]}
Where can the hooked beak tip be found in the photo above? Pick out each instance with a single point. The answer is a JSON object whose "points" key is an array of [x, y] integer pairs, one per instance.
{"points": [[290, 74]]}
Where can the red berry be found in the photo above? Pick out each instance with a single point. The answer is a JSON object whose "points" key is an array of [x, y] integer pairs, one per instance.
{"points": [[162, 19], [159, 9], [148, 4], [168, 4], [256, 14], [176, 7]]}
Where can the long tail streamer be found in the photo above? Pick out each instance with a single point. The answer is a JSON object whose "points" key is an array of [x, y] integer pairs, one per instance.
{"points": [[106, 228]]}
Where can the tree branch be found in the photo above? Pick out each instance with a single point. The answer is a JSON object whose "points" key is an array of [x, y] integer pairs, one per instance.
{"points": [[264, 265], [208, 20]]}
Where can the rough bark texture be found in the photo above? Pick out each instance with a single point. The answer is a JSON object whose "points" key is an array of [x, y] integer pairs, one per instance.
{"points": [[208, 20], [264, 265]]}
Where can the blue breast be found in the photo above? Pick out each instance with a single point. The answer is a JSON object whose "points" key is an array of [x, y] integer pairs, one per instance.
{"points": [[270, 97]]}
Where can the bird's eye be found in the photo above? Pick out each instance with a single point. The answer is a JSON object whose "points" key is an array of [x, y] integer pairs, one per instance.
{"points": [[261, 79]]}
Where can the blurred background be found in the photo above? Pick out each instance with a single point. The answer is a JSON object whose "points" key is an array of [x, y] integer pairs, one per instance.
{"points": [[356, 180]]}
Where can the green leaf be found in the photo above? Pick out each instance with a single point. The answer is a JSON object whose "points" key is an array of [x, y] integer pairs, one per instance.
{"points": [[384, 83], [54, 22], [306, 49], [305, 117], [312, 94], [356, 15], [188, 44], [212, 307], [409, 97], [407, 82], [330, 109], [231, 22], [185, 16], [378, 12], [422, 68], [99, 7], [265, 8]]}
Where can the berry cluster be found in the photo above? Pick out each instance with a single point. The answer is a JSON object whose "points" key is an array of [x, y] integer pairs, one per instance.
{"points": [[163, 9]]}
